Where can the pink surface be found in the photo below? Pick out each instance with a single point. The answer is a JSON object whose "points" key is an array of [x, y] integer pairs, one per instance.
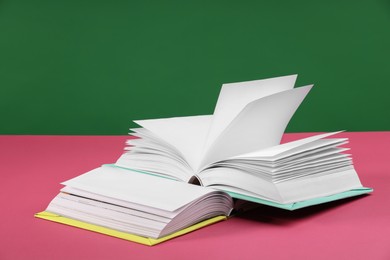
{"points": [[33, 166]]}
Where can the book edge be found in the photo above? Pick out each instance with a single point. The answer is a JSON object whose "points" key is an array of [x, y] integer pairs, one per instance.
{"points": [[306, 203], [123, 235]]}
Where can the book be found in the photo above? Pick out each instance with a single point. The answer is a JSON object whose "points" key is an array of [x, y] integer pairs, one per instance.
{"points": [[143, 208], [232, 156]]}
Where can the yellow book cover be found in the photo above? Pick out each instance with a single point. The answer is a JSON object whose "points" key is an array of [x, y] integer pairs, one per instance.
{"points": [[126, 236]]}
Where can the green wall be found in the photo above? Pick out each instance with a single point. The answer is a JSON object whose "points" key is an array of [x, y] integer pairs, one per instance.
{"points": [[90, 67]]}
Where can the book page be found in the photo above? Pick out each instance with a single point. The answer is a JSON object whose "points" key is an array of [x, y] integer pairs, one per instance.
{"points": [[283, 148], [152, 154], [186, 134], [301, 189], [235, 96], [138, 188], [259, 125]]}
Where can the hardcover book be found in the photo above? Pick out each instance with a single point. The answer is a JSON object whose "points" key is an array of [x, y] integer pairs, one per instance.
{"points": [[234, 155]]}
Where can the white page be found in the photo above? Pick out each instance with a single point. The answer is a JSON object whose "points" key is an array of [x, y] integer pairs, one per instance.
{"points": [[259, 125], [138, 188], [155, 164], [218, 177], [142, 210], [150, 153], [186, 134], [310, 148], [310, 172], [77, 213], [317, 161], [282, 148], [338, 180], [148, 140], [233, 98], [108, 211]]}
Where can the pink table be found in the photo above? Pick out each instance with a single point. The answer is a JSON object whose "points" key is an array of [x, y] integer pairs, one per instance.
{"points": [[33, 166]]}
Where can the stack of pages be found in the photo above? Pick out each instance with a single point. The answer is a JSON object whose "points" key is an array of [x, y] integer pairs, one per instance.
{"points": [[137, 204], [147, 196]]}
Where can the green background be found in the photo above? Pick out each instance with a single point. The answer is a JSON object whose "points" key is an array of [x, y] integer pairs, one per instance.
{"points": [[90, 67]]}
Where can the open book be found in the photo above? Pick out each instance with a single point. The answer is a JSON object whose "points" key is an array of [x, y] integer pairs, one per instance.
{"points": [[234, 153]]}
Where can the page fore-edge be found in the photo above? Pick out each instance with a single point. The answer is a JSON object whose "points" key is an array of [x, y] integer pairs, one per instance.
{"points": [[123, 235]]}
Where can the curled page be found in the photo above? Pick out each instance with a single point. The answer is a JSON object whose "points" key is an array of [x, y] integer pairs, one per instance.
{"points": [[259, 125], [235, 96], [186, 134]]}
